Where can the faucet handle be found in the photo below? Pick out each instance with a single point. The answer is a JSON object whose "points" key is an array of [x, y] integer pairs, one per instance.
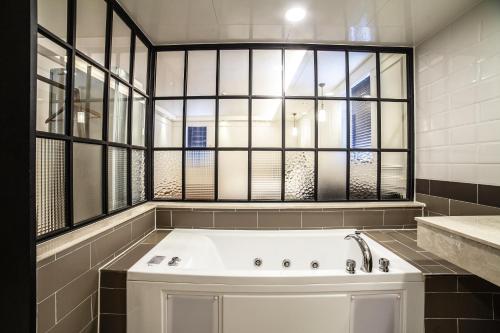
{"points": [[350, 266], [383, 265]]}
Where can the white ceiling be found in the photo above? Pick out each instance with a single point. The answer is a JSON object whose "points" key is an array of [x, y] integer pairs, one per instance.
{"points": [[374, 22]]}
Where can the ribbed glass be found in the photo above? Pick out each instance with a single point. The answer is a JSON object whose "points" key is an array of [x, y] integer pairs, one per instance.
{"points": [[393, 175], [200, 166], [266, 175], [138, 174], [117, 178]]}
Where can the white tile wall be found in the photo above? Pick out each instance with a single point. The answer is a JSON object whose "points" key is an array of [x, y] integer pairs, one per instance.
{"points": [[457, 91]]}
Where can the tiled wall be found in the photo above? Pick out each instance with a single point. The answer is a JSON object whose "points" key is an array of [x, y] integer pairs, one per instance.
{"points": [[458, 100]]}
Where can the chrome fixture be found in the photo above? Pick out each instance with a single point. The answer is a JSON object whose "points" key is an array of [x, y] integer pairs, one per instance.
{"points": [[174, 261], [155, 260], [365, 250], [383, 265], [350, 266], [322, 111], [314, 264], [295, 131], [257, 262], [286, 263]]}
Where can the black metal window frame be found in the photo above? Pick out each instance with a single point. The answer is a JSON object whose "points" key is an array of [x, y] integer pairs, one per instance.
{"points": [[409, 100]]}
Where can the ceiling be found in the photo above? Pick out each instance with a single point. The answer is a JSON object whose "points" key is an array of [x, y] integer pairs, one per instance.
{"points": [[374, 22]]}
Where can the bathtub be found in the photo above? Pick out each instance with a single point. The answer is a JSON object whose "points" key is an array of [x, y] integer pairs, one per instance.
{"points": [[229, 281]]}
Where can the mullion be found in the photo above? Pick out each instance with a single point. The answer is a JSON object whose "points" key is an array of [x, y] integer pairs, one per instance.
{"points": [[249, 144], [216, 154], [348, 125], [184, 125], [283, 124], [316, 140], [379, 126]]}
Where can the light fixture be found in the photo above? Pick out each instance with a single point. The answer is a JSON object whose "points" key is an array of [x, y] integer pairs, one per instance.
{"points": [[295, 14], [295, 131], [80, 117], [322, 111]]}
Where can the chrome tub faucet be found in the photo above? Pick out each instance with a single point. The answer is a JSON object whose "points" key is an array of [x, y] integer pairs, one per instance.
{"points": [[365, 250]]}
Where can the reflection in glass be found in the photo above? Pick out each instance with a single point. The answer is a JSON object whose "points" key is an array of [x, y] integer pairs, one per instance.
{"points": [[363, 172], [233, 76], [393, 175], [168, 123], [202, 68], [200, 174], [117, 178], [91, 28], [394, 125], [267, 72], [118, 112], [332, 124], [52, 16], [299, 175], [331, 73], [120, 48], [299, 127], [233, 123], [233, 175], [139, 120], [168, 175], [363, 74], [200, 123], [51, 60], [138, 175], [331, 175], [266, 122], [299, 73], [170, 73], [140, 65], [392, 75], [266, 175], [363, 124]]}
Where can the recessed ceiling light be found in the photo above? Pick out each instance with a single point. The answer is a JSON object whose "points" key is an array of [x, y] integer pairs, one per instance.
{"points": [[295, 14]]}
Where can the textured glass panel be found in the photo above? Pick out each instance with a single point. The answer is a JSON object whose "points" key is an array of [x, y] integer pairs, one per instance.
{"points": [[363, 170], [363, 74], [332, 124], [120, 48], [87, 181], [394, 125], [200, 175], [118, 112], [50, 108], [168, 175], [299, 175], [299, 73], [52, 16], [138, 174], [202, 69], [168, 123], [363, 124], [140, 65], [393, 175], [266, 123], [331, 175], [267, 72], [88, 100], [392, 75], [233, 123], [266, 175], [91, 28], [170, 73], [139, 120], [50, 185], [200, 123], [117, 178], [233, 175], [299, 130], [331, 73], [233, 77]]}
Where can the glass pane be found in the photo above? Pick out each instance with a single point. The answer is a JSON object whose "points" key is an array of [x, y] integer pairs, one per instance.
{"points": [[266, 175], [117, 178], [168, 175], [52, 15], [140, 65], [168, 123], [139, 120], [362, 74], [233, 77], [120, 48], [88, 100], [299, 131], [87, 181], [118, 112], [393, 175], [50, 108], [200, 123], [331, 73], [170, 73], [363, 170], [202, 69], [266, 72], [332, 124], [363, 124], [299, 175], [394, 125], [299, 73], [51, 61], [91, 28], [50, 185], [200, 175], [138, 174], [266, 122], [233, 175], [392, 75], [331, 175], [233, 123]]}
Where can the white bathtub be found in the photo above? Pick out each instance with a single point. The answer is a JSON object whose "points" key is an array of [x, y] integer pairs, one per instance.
{"points": [[217, 283]]}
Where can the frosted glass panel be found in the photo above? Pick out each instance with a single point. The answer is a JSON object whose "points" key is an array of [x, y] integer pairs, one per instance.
{"points": [[299, 175], [120, 48], [91, 28], [167, 175], [202, 68], [140, 65], [52, 16], [363, 74], [170, 73], [200, 123], [233, 123], [168, 123], [233, 175], [266, 122], [138, 173], [299, 131], [139, 120], [332, 124], [393, 175], [363, 182], [118, 112], [117, 178], [192, 314], [266, 175], [363, 124], [392, 75], [50, 185], [331, 73], [267, 72], [200, 175], [394, 125], [331, 175], [299, 73], [233, 76]]}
